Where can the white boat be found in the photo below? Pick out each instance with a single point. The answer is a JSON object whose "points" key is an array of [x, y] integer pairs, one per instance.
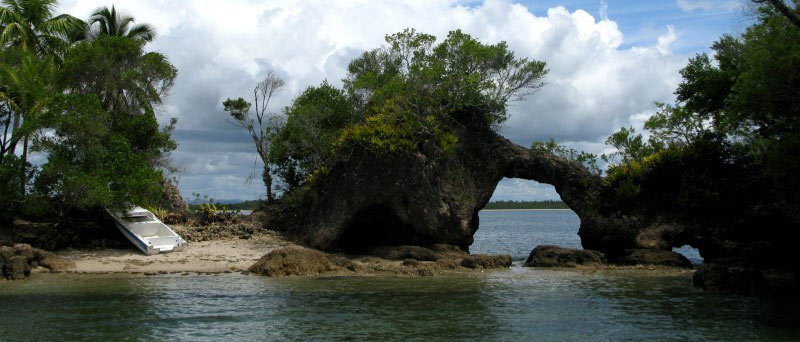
{"points": [[147, 232]]}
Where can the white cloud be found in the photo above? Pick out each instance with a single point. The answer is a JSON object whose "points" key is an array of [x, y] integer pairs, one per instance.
{"points": [[665, 42], [221, 48]]}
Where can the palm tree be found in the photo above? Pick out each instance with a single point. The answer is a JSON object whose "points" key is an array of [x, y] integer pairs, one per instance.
{"points": [[30, 26], [112, 23], [26, 89]]}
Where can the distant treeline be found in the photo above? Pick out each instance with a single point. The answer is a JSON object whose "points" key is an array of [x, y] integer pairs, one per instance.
{"points": [[526, 205]]}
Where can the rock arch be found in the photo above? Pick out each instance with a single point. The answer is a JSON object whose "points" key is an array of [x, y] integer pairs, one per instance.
{"points": [[431, 197]]}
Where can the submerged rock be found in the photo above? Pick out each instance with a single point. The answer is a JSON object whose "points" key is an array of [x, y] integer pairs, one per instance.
{"points": [[554, 256]]}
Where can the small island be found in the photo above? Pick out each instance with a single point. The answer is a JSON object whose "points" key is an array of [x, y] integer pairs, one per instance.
{"points": [[390, 172]]}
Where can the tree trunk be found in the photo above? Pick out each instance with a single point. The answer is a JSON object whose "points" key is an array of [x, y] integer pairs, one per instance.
{"points": [[12, 149], [268, 183], [781, 7], [24, 174]]}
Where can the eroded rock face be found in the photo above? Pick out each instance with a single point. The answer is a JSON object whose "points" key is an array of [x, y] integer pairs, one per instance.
{"points": [[426, 197], [432, 197]]}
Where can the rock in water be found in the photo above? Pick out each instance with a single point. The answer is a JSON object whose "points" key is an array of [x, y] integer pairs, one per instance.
{"points": [[484, 261], [654, 257], [554, 256], [293, 261]]}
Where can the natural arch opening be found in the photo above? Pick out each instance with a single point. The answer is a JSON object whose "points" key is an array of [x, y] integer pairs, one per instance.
{"points": [[504, 229], [378, 225], [691, 253]]}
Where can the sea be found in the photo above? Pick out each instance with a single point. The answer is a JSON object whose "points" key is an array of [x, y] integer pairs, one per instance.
{"points": [[518, 304]]}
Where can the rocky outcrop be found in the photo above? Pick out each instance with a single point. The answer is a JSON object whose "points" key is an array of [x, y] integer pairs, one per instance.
{"points": [[293, 261], [429, 196], [299, 261], [653, 257], [424, 197], [171, 200], [93, 229], [483, 261], [554, 256], [16, 262], [404, 253]]}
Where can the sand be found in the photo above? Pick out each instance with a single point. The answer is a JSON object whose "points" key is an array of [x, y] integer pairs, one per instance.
{"points": [[231, 255]]}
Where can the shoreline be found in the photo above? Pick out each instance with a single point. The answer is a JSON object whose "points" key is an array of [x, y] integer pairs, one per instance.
{"points": [[522, 209]]}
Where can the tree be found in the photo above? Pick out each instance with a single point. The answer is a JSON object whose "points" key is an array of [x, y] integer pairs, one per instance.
{"points": [[780, 6], [30, 25], [630, 147], [120, 73], [26, 90], [314, 121], [460, 80], [261, 125], [112, 23], [91, 163]]}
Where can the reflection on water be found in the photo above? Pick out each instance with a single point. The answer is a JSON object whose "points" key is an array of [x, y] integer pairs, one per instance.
{"points": [[519, 304]]}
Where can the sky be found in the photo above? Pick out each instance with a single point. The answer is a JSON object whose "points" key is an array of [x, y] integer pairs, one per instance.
{"points": [[609, 62]]}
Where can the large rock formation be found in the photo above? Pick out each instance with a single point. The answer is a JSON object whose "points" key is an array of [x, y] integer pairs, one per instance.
{"points": [[426, 197], [432, 196]]}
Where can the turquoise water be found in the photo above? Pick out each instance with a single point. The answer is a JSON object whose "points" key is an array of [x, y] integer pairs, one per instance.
{"points": [[519, 304]]}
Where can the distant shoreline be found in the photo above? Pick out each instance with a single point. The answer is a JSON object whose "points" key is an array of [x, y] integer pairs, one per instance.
{"points": [[520, 209]]}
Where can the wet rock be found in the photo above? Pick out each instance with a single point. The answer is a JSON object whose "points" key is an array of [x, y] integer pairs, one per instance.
{"points": [[653, 257], [484, 261], [404, 252], [289, 261], [554, 256]]}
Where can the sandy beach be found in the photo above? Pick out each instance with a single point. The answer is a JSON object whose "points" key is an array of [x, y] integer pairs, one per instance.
{"points": [[230, 255]]}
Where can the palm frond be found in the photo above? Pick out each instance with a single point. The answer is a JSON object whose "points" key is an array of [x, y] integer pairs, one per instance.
{"points": [[14, 33], [144, 32]]}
